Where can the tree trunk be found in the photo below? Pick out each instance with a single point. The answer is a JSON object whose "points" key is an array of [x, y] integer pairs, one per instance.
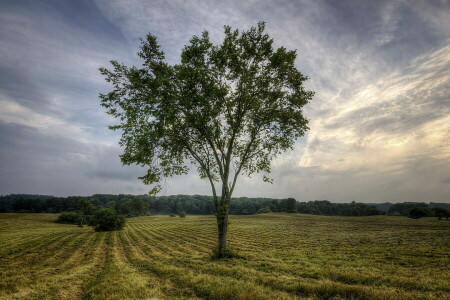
{"points": [[222, 226], [222, 223]]}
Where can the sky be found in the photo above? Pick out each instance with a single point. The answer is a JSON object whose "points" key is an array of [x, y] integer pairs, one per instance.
{"points": [[379, 121]]}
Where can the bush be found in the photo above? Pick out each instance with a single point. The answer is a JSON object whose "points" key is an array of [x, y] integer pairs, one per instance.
{"points": [[418, 212], [264, 210], [107, 219], [440, 213], [69, 218], [182, 214], [89, 220], [173, 216]]}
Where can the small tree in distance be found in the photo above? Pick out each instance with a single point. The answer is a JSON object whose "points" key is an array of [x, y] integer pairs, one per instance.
{"points": [[107, 219], [227, 109], [86, 208], [440, 213], [290, 205], [418, 212], [264, 210]]}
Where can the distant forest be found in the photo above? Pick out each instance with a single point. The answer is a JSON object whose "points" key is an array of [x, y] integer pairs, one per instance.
{"points": [[131, 205]]}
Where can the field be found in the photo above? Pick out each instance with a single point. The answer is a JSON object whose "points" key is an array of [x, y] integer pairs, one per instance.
{"points": [[284, 256]]}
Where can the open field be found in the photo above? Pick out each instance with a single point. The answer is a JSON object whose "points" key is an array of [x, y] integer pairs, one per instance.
{"points": [[285, 256]]}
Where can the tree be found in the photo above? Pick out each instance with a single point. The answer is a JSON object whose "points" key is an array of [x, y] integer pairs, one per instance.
{"points": [[264, 210], [290, 205], [440, 213], [418, 212], [69, 218], [107, 219], [131, 207], [86, 208], [227, 109]]}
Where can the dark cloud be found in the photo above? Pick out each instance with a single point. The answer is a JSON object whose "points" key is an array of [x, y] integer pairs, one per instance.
{"points": [[80, 14], [36, 162], [51, 52], [18, 85]]}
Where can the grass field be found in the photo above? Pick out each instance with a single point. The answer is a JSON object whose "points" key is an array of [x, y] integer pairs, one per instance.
{"points": [[285, 256]]}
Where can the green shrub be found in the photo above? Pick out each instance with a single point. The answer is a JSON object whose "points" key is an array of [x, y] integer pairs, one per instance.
{"points": [[264, 210], [89, 220], [69, 218], [418, 212], [107, 219], [440, 213], [182, 214], [172, 215]]}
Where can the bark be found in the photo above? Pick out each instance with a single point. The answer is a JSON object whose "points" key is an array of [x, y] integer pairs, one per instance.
{"points": [[222, 225]]}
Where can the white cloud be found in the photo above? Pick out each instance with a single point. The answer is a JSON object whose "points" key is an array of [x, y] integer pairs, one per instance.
{"points": [[390, 17], [382, 130], [13, 112]]}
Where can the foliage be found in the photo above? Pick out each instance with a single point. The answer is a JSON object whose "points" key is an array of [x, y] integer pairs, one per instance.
{"points": [[85, 207], [418, 212], [69, 218], [203, 205], [382, 207], [238, 103], [290, 205], [132, 207], [443, 205], [103, 219], [106, 219], [227, 109], [264, 210], [404, 209], [440, 212], [182, 214], [28, 205], [326, 208], [198, 204]]}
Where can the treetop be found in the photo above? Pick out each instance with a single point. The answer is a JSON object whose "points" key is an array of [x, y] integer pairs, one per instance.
{"points": [[231, 106]]}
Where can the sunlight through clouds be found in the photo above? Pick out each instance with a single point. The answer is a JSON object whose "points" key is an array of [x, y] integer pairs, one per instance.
{"points": [[396, 116]]}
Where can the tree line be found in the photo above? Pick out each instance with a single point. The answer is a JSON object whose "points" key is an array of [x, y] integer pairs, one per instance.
{"points": [[140, 205], [418, 210]]}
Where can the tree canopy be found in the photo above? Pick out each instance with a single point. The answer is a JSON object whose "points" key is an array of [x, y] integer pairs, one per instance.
{"points": [[227, 109]]}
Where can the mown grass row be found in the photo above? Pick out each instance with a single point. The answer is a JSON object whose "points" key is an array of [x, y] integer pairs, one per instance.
{"points": [[284, 256]]}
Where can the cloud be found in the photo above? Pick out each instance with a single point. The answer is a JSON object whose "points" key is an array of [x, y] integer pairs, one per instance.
{"points": [[38, 161], [394, 130], [34, 162], [398, 105], [50, 58], [379, 120], [390, 18]]}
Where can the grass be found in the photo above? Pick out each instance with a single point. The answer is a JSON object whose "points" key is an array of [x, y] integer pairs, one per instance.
{"points": [[282, 256]]}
